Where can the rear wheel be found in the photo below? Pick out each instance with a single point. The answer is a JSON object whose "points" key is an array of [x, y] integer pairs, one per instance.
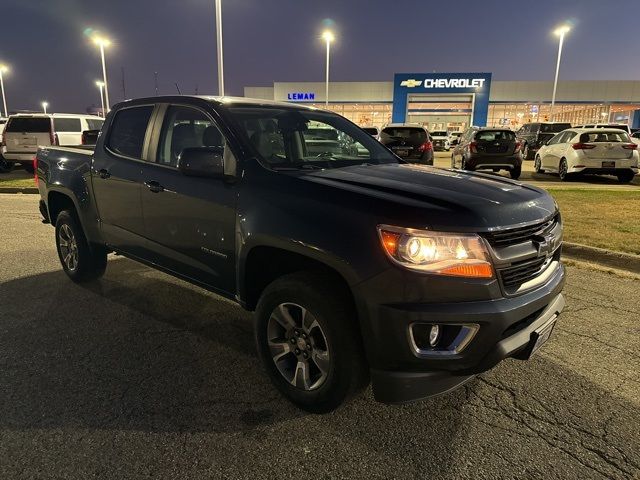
{"points": [[537, 165], [453, 161], [625, 177], [308, 340], [80, 261], [563, 170], [5, 166], [28, 167], [515, 172], [463, 165], [526, 153]]}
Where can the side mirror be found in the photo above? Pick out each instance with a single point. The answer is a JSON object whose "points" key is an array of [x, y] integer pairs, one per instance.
{"points": [[202, 162]]}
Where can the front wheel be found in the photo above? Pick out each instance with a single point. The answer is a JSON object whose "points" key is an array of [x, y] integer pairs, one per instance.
{"points": [[80, 261], [308, 340], [625, 177]]}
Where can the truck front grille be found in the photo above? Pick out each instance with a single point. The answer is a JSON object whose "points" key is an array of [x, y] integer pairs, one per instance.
{"points": [[519, 274], [514, 236]]}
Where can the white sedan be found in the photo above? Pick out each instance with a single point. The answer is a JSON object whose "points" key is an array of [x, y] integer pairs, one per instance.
{"points": [[589, 151]]}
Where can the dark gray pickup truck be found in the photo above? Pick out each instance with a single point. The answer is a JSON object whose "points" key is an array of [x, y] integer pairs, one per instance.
{"points": [[360, 267]]}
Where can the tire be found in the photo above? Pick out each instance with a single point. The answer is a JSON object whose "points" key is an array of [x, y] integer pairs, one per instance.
{"points": [[5, 167], [625, 177], [562, 170], [537, 165], [453, 161], [28, 167], [80, 261], [463, 165], [526, 154], [329, 335], [515, 172]]}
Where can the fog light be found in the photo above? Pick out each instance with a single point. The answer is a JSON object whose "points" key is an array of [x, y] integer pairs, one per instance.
{"points": [[434, 335]]}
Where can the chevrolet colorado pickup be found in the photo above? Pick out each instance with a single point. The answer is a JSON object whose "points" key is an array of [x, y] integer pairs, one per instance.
{"points": [[359, 267]]}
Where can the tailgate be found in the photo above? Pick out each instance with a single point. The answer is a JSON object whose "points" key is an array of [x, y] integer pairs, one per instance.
{"points": [[26, 142]]}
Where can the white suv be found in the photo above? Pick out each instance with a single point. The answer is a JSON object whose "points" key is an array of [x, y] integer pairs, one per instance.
{"points": [[24, 133], [441, 140]]}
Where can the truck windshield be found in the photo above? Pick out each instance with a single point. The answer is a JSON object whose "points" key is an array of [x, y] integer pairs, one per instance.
{"points": [[293, 139]]}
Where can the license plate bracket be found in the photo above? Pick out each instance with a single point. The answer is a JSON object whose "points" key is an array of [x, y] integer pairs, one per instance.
{"points": [[608, 164], [540, 336]]}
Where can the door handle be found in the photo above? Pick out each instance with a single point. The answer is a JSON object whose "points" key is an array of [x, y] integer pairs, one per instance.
{"points": [[104, 173], [154, 186]]}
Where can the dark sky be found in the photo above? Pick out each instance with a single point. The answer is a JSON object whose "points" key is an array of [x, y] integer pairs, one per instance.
{"points": [[278, 40]]}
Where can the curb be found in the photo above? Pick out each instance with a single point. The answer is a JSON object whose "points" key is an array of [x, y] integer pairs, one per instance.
{"points": [[621, 261], [19, 190]]}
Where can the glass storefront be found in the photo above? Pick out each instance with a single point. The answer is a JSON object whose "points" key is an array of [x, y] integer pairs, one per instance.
{"points": [[363, 114], [454, 116], [514, 115]]}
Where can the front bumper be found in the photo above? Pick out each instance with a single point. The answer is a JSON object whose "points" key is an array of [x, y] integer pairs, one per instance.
{"points": [[400, 374]]}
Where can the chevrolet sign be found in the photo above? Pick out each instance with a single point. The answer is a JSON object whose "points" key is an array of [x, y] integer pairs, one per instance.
{"points": [[444, 83]]}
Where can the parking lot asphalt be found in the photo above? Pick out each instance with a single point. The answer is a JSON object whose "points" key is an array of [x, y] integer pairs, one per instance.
{"points": [[140, 375]]}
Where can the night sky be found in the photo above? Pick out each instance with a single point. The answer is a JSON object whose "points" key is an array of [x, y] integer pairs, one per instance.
{"points": [[279, 40]]}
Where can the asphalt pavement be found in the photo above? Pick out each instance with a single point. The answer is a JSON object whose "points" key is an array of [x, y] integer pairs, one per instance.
{"points": [[140, 375]]}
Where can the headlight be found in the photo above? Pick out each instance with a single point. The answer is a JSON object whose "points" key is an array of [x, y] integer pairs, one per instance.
{"points": [[461, 255]]}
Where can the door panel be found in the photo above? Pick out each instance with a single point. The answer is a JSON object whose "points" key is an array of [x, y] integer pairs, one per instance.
{"points": [[189, 221], [117, 177]]}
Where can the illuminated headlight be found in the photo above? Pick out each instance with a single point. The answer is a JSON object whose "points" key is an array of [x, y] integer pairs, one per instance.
{"points": [[462, 255]]}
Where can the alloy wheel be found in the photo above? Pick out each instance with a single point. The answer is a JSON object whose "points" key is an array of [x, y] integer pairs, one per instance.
{"points": [[562, 169], [298, 346], [68, 247]]}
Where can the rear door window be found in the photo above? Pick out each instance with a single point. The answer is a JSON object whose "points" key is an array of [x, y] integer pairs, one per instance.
{"points": [[94, 124], [29, 124], [601, 137], [413, 136], [495, 136], [66, 125], [128, 131]]}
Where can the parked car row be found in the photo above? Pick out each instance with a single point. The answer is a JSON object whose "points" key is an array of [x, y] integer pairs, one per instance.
{"points": [[24, 133]]}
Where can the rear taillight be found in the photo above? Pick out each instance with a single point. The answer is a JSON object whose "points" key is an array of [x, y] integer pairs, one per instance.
{"points": [[629, 146], [426, 146], [473, 147], [583, 146], [518, 146], [35, 169]]}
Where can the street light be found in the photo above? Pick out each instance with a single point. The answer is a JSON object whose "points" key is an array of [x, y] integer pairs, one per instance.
{"points": [[328, 37], [3, 69], [219, 47], [44, 106], [103, 42], [100, 85], [559, 32]]}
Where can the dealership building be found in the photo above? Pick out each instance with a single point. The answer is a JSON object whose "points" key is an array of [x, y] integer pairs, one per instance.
{"points": [[454, 101]]}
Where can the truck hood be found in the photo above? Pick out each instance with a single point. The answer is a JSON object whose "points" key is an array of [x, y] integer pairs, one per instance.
{"points": [[471, 201]]}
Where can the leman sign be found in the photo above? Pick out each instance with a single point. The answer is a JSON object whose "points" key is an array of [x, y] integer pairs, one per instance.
{"points": [[301, 96]]}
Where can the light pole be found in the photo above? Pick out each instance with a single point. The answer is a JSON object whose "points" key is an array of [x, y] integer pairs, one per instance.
{"points": [[560, 32], [103, 43], [44, 107], [219, 47], [3, 69], [328, 37], [100, 85]]}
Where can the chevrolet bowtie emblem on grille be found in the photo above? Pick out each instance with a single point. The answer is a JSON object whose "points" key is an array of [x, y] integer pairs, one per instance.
{"points": [[411, 83], [545, 245]]}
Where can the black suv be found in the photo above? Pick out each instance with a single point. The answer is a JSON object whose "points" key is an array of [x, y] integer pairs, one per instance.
{"points": [[410, 142], [488, 149], [533, 135]]}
